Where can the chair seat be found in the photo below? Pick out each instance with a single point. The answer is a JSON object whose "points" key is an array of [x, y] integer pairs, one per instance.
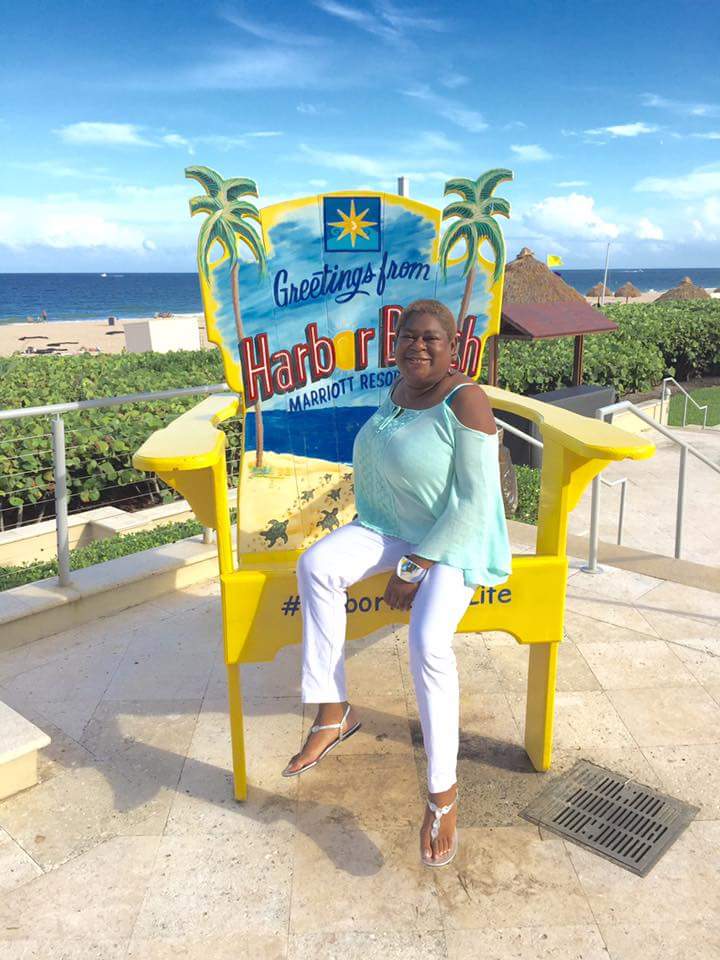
{"points": [[262, 606]]}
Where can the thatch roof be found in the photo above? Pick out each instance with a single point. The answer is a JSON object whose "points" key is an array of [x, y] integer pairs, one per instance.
{"points": [[527, 280], [598, 290], [627, 290], [685, 290]]}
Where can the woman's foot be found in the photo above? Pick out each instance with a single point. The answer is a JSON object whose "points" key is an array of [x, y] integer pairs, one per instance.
{"points": [[439, 847], [316, 742]]}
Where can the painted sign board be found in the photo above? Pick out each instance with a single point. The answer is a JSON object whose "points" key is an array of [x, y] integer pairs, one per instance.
{"points": [[303, 299]]}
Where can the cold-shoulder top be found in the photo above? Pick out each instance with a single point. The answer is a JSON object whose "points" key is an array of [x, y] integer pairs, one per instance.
{"points": [[425, 477]]}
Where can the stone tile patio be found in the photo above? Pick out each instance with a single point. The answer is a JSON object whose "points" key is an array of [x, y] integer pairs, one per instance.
{"points": [[131, 845]]}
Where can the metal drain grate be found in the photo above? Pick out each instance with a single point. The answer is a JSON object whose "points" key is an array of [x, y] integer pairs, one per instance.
{"points": [[617, 818]]}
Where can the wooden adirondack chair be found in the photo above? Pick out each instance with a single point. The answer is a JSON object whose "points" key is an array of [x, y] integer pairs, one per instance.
{"points": [[261, 611]]}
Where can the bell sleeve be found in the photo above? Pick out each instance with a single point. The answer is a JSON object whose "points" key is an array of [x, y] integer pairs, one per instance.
{"points": [[471, 531]]}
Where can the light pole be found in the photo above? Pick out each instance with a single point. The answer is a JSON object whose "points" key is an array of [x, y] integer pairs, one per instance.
{"points": [[607, 258]]}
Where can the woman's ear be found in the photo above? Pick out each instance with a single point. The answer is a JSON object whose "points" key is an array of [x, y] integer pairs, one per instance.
{"points": [[454, 348]]}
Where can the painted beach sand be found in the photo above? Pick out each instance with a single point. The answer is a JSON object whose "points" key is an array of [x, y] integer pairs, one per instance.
{"points": [[291, 502]]}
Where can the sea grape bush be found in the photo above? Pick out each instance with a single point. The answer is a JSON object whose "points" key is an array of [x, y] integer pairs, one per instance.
{"points": [[99, 443], [680, 339], [677, 338]]}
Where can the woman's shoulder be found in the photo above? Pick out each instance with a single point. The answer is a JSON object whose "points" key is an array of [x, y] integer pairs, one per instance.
{"points": [[471, 406]]}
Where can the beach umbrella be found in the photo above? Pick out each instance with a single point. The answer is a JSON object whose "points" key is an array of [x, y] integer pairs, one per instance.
{"points": [[627, 290], [598, 290], [685, 290], [527, 280]]}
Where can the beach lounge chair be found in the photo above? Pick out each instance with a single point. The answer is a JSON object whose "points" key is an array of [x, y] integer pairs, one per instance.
{"points": [[295, 483]]}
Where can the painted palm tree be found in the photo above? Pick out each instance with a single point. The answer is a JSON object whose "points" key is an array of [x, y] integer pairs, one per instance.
{"points": [[226, 224], [475, 222]]}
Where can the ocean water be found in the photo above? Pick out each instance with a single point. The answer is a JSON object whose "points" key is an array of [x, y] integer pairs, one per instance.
{"points": [[94, 296]]}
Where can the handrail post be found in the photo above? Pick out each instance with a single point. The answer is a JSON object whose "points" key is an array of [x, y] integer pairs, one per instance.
{"points": [[680, 502], [61, 500], [662, 399], [621, 514], [592, 564]]}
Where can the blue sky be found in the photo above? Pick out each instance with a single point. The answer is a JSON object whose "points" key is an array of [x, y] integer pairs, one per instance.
{"points": [[608, 113]]}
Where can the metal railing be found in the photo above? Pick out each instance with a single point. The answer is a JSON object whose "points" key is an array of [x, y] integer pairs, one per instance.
{"points": [[602, 413], [666, 392], [57, 429]]}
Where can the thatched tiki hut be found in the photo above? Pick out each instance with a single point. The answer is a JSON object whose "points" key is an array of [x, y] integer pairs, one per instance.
{"points": [[599, 290], [538, 304], [685, 290], [627, 290], [527, 280]]}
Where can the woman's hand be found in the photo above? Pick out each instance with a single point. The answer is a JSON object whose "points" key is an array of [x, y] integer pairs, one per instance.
{"points": [[399, 595]]}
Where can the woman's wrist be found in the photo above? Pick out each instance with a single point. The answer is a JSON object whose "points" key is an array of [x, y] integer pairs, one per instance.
{"points": [[421, 561]]}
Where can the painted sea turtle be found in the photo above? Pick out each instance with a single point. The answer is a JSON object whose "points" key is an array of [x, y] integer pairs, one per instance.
{"points": [[307, 495], [330, 519], [335, 494], [277, 530]]}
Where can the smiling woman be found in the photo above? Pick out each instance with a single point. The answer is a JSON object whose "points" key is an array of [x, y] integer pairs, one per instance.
{"points": [[430, 509]]}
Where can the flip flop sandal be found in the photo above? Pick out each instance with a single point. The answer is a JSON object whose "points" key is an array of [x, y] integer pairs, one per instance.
{"points": [[325, 726], [434, 830]]}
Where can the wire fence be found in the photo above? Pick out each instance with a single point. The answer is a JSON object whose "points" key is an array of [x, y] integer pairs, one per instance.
{"points": [[81, 458]]}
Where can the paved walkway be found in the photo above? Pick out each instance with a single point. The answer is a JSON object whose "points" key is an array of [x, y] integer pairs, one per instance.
{"points": [[131, 846], [651, 500]]}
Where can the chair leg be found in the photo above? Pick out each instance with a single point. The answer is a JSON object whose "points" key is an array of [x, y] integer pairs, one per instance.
{"points": [[236, 731], [542, 672]]}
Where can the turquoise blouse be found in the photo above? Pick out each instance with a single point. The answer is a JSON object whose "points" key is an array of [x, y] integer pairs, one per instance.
{"points": [[425, 477]]}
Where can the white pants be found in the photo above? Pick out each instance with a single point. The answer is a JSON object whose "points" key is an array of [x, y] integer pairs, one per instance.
{"points": [[325, 571]]}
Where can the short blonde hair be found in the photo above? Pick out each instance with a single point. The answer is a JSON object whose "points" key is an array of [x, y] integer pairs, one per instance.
{"points": [[434, 309]]}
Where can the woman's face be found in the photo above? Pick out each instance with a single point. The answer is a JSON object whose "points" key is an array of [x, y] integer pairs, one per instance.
{"points": [[423, 351]]}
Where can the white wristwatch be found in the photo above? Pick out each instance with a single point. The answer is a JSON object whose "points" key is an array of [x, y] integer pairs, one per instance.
{"points": [[409, 571]]}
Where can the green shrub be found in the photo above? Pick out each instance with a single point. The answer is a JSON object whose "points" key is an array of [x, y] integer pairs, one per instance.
{"points": [[100, 550], [99, 443], [528, 480]]}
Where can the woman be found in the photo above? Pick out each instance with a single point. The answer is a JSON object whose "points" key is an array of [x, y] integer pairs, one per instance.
{"points": [[430, 509]]}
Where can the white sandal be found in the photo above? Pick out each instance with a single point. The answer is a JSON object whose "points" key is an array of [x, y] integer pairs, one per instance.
{"points": [[325, 726], [435, 829]]}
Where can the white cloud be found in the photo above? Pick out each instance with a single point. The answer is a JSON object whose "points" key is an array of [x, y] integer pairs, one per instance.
{"points": [[104, 134], [624, 130], [684, 107], [257, 68], [572, 216], [710, 135], [175, 140], [318, 183], [384, 20], [273, 33], [56, 168], [699, 182], [530, 152], [461, 116], [646, 230], [454, 80], [571, 183], [125, 218], [384, 169]]}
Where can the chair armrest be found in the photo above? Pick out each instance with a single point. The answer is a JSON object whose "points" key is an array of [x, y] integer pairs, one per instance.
{"points": [[191, 442], [588, 437], [189, 455]]}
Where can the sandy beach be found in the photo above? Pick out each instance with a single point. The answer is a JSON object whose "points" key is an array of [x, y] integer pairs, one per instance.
{"points": [[68, 337]]}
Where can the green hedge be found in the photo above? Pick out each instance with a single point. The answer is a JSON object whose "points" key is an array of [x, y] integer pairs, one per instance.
{"points": [[681, 339], [678, 338], [99, 443], [99, 551]]}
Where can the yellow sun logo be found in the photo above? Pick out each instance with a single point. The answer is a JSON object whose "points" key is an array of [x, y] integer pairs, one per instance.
{"points": [[353, 224]]}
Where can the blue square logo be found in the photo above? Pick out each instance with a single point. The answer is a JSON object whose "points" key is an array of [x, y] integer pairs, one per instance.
{"points": [[352, 224]]}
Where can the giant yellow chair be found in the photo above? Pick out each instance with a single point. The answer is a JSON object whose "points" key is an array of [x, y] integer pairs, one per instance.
{"points": [[289, 493]]}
